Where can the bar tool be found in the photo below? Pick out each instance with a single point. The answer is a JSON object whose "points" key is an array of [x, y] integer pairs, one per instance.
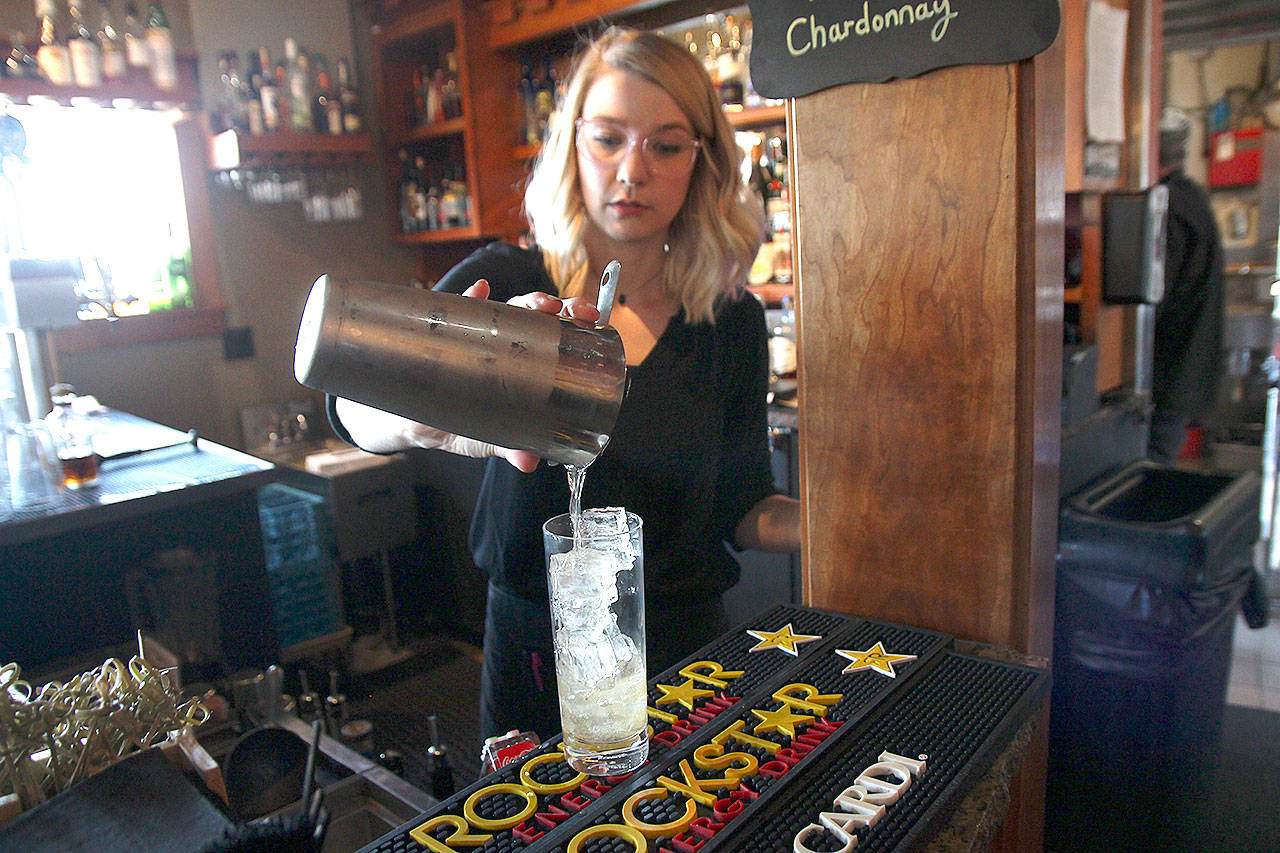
{"points": [[438, 768], [335, 707], [478, 368], [308, 700]]}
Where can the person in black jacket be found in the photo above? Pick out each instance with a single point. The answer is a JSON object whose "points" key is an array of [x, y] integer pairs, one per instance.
{"points": [[1187, 359], [640, 165]]}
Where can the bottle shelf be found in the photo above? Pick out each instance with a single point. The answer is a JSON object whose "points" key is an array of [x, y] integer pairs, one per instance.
{"points": [[186, 95], [440, 235], [232, 149], [452, 127], [750, 118], [742, 119]]}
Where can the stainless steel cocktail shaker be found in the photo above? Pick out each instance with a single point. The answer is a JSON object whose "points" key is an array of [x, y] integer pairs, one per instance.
{"points": [[483, 369]]}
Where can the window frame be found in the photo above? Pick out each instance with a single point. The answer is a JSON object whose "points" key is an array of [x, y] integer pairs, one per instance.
{"points": [[208, 317]]}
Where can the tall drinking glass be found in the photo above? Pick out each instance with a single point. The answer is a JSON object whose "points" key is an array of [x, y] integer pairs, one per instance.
{"points": [[596, 585]]}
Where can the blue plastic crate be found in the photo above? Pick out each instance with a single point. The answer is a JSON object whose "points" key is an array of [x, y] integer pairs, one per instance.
{"points": [[299, 545]]}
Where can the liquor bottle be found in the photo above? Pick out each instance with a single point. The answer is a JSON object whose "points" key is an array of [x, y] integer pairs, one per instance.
{"points": [[282, 95], [729, 67], [164, 64], [72, 434], [417, 98], [298, 81], [111, 44], [53, 57], [451, 95], [782, 343], [348, 99], [451, 205], [86, 56], [406, 193], [20, 63], [750, 97], [435, 97], [268, 93], [137, 55], [253, 95], [528, 92], [232, 110], [544, 99], [326, 113], [711, 50]]}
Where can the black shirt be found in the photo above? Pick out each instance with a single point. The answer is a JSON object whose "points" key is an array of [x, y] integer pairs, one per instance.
{"points": [[689, 453], [1187, 358]]}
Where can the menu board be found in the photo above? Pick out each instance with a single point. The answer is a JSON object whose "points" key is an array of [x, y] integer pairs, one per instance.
{"points": [[804, 46]]}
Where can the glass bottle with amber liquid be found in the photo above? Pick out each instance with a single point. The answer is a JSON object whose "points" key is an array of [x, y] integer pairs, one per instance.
{"points": [[72, 433]]}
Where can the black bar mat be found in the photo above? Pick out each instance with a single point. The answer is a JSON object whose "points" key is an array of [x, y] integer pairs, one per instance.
{"points": [[753, 738]]}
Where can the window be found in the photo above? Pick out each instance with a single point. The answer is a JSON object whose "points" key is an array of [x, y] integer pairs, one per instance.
{"points": [[104, 186]]}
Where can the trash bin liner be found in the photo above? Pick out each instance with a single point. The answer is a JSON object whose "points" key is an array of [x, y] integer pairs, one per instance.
{"points": [[1152, 567]]}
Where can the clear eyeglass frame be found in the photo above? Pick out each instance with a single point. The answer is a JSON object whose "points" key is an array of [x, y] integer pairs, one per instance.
{"points": [[677, 161]]}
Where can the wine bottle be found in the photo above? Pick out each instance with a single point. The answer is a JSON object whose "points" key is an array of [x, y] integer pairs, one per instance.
{"points": [[164, 64], [253, 94], [348, 99], [298, 80], [268, 93], [451, 92], [53, 57], [326, 114], [111, 45], [137, 55], [20, 63], [86, 56]]}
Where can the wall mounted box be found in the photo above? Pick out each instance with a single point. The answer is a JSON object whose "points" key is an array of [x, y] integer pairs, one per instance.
{"points": [[1235, 158], [1133, 245]]}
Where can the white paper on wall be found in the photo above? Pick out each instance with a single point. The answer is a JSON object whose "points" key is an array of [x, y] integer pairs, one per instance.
{"points": [[1105, 37]]}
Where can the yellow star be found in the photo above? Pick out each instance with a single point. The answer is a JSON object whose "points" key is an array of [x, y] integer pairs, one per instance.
{"points": [[873, 658], [783, 638], [781, 720], [685, 694]]}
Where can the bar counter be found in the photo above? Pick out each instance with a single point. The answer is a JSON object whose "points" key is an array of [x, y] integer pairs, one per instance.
{"points": [[70, 569]]}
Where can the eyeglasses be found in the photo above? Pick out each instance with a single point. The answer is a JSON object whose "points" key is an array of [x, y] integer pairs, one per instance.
{"points": [[667, 152]]}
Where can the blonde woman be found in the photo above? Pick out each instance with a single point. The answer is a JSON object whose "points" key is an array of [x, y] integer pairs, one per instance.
{"points": [[640, 166]]}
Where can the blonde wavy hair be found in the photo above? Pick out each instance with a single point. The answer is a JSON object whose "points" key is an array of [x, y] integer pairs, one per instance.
{"points": [[713, 239]]}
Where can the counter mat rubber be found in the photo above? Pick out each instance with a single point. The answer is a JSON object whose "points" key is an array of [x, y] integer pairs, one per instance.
{"points": [[794, 757]]}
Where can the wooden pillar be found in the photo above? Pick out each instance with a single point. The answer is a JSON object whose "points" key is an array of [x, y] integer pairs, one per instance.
{"points": [[929, 255]]}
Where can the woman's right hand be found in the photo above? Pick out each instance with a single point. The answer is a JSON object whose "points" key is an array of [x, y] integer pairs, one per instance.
{"points": [[384, 432]]}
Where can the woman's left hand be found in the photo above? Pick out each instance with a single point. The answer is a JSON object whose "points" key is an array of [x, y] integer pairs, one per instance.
{"points": [[573, 308]]}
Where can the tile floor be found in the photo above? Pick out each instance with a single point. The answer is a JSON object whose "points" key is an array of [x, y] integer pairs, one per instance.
{"points": [[1254, 680]]}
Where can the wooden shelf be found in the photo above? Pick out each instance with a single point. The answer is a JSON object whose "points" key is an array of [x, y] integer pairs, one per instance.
{"points": [[442, 235], [186, 95], [756, 117], [232, 149], [452, 127], [742, 119]]}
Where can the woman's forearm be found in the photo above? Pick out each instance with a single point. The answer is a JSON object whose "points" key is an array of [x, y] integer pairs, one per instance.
{"points": [[773, 524]]}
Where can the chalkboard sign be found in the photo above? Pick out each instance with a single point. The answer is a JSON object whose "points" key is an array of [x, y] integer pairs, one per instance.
{"points": [[803, 46]]}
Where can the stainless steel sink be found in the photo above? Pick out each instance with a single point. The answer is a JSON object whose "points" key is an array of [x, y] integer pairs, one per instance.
{"points": [[365, 805]]}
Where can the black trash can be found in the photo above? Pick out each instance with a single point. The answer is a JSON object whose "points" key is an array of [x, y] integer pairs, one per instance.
{"points": [[1152, 564]]}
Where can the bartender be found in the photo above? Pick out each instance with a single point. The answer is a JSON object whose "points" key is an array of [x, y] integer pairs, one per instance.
{"points": [[640, 165]]}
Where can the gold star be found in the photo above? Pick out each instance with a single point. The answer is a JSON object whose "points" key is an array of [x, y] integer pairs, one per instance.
{"points": [[873, 658], [781, 720], [783, 638], [685, 694]]}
